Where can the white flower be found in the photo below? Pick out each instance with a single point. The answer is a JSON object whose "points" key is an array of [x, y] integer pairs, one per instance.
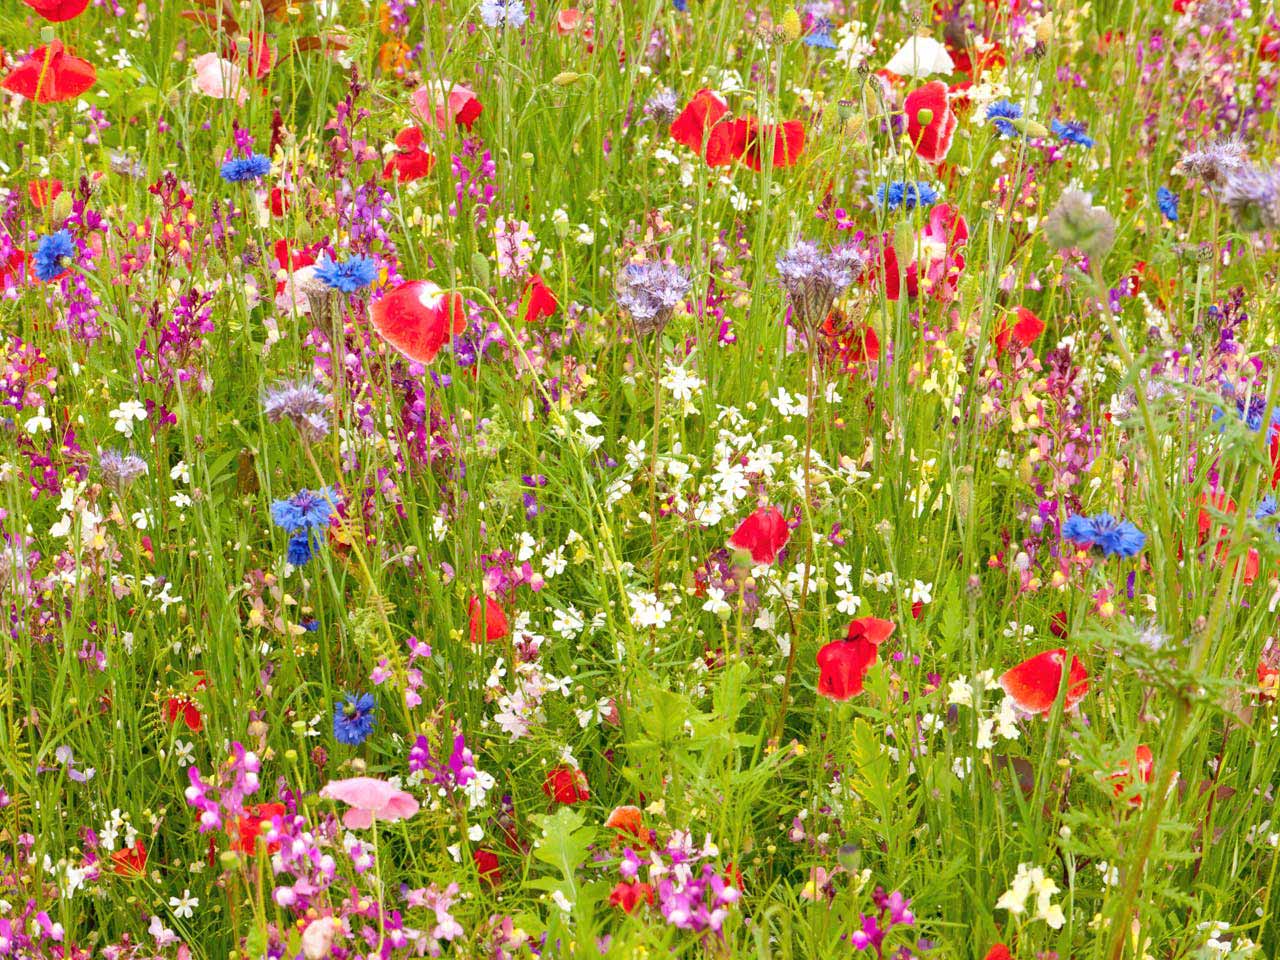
{"points": [[38, 423], [920, 57], [124, 416], [184, 907], [648, 611], [716, 603]]}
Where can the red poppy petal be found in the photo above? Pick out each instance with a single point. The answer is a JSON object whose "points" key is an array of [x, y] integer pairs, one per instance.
{"points": [[1033, 684], [417, 318]]}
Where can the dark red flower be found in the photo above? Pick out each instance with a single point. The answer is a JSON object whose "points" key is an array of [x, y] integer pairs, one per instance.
{"points": [[628, 896], [695, 121], [1058, 624], [410, 162], [843, 664], [565, 784], [740, 140], [764, 533], [58, 11], [130, 861], [185, 708], [931, 123], [495, 621], [486, 865], [50, 75], [1033, 684], [1025, 331], [538, 299]]}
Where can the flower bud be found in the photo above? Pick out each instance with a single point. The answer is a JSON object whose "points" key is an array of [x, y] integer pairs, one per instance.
{"points": [[1076, 222]]}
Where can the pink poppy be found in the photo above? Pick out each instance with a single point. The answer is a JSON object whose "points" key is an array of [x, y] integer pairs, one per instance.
{"points": [[219, 78], [442, 103], [368, 799], [937, 258]]}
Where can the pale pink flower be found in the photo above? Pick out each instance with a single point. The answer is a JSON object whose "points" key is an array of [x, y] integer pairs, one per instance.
{"points": [[370, 798], [219, 78], [444, 102]]}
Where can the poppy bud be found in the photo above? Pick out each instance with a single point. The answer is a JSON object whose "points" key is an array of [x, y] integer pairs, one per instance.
{"points": [[924, 116], [566, 78], [480, 267], [1076, 222], [61, 206]]}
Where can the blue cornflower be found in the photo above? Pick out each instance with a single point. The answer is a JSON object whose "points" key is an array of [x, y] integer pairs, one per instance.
{"points": [[305, 510], [1001, 113], [820, 36], [681, 5], [1112, 536], [301, 548], [353, 719], [52, 255], [906, 194], [1072, 132], [349, 275], [1167, 201], [244, 169]]}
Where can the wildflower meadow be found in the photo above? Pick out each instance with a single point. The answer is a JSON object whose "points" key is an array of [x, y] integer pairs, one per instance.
{"points": [[639, 479]]}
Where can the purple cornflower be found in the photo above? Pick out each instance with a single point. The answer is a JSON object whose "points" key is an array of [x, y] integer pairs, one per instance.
{"points": [[814, 279], [650, 291], [303, 404]]}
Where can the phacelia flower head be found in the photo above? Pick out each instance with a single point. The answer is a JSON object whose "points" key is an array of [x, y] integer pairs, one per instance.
{"points": [[246, 169], [353, 718], [650, 291], [119, 470], [1214, 163], [1076, 223], [1105, 533], [303, 404], [1253, 197], [498, 14], [347, 276], [814, 279], [663, 107], [54, 254]]}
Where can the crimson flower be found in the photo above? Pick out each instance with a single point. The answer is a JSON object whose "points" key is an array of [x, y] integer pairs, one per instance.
{"points": [[764, 533], [931, 123], [486, 865], [495, 621], [58, 11], [566, 784], [410, 162], [697, 118], [418, 318], [50, 75], [740, 140], [628, 896], [538, 299], [1033, 684], [843, 664], [130, 861], [1025, 331]]}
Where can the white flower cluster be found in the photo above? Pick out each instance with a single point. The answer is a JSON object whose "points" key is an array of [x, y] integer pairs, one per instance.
{"points": [[1032, 882]]}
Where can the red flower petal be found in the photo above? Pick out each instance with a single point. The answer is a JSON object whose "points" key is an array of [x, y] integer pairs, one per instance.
{"points": [[764, 533], [696, 119], [842, 665], [50, 76], [43, 192], [931, 123], [1026, 330], [418, 318], [495, 621], [566, 785], [1033, 684], [58, 11], [539, 300], [728, 144]]}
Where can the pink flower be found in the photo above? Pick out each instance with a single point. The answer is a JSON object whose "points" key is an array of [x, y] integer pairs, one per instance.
{"points": [[369, 798], [219, 78], [440, 103]]}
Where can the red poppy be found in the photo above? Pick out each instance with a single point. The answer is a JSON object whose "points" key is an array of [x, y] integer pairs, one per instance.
{"points": [[495, 621], [410, 162], [937, 259], [50, 75], [1269, 47], [1122, 781], [1033, 684], [843, 664], [43, 192], [1058, 624], [538, 299], [58, 11], [1025, 331], [565, 784], [246, 830], [1204, 521], [740, 139], [695, 121], [567, 21], [279, 201], [855, 345], [629, 822], [130, 861], [931, 123], [185, 708], [486, 865], [418, 318], [628, 896], [1268, 677], [764, 533], [999, 952]]}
